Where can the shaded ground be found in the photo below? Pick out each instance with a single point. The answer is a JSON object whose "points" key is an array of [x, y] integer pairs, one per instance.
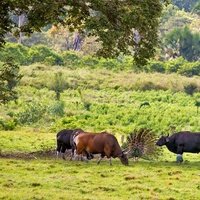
{"points": [[32, 155]]}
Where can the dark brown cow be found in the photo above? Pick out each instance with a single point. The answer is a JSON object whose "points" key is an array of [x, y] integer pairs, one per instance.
{"points": [[99, 143]]}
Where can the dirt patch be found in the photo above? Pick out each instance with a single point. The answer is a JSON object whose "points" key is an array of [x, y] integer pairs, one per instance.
{"points": [[32, 155]]}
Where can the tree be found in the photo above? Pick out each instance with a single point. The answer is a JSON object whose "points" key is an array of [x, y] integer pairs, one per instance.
{"points": [[9, 78], [197, 8], [187, 5], [184, 42], [127, 26], [58, 84]]}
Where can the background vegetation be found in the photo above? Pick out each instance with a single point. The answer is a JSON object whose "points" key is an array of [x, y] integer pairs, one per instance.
{"points": [[51, 98]]}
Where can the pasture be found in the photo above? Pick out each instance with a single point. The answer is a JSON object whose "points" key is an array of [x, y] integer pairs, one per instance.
{"points": [[29, 170]]}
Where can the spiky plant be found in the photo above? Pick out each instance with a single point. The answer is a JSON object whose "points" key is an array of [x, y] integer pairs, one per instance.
{"points": [[141, 144]]}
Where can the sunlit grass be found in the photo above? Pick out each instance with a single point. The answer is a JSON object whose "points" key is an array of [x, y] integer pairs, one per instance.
{"points": [[51, 178], [57, 179]]}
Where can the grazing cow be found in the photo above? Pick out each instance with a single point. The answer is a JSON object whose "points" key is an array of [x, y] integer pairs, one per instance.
{"points": [[181, 142], [63, 138], [99, 143]]}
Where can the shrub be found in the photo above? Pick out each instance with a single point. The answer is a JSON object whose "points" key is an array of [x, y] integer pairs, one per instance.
{"points": [[57, 108], [190, 69], [58, 84], [31, 113], [88, 61], [174, 65], [8, 124], [156, 66], [70, 58], [190, 88], [17, 52], [108, 63], [41, 53]]}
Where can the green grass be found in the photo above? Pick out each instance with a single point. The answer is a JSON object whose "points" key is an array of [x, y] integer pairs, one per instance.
{"points": [[57, 179], [48, 178]]}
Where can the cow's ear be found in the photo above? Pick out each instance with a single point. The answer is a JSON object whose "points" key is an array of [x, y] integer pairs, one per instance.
{"points": [[167, 139]]}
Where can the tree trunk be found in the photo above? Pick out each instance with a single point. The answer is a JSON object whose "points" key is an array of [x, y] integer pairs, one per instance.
{"points": [[20, 22]]}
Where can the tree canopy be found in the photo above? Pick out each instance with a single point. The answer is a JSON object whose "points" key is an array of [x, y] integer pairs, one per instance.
{"points": [[122, 26]]}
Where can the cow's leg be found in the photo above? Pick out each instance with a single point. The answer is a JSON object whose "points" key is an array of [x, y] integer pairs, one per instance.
{"points": [[72, 153], [63, 152], [89, 155], [59, 145], [100, 158], [109, 160], [84, 154], [179, 157], [76, 156], [81, 153]]}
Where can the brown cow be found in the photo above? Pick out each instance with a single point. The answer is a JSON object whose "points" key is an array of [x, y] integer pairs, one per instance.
{"points": [[104, 143]]}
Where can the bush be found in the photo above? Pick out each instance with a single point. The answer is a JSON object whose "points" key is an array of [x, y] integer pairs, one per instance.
{"points": [[31, 113], [70, 58], [43, 54], [8, 124], [17, 52], [88, 61], [190, 69], [57, 108], [173, 66], [156, 66]]}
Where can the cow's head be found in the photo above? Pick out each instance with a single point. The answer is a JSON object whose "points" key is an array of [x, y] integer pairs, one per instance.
{"points": [[162, 140], [124, 158]]}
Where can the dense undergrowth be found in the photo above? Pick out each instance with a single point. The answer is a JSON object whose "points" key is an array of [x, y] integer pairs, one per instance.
{"points": [[101, 99]]}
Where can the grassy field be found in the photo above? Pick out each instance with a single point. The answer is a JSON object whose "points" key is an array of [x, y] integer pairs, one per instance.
{"points": [[96, 100], [40, 176]]}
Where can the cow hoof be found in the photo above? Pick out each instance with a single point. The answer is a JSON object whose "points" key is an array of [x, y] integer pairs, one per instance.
{"points": [[179, 159]]}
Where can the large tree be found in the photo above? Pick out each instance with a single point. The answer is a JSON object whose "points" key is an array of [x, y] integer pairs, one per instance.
{"points": [[127, 26]]}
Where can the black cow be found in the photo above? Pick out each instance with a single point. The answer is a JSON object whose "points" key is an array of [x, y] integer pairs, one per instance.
{"points": [[181, 142], [64, 141]]}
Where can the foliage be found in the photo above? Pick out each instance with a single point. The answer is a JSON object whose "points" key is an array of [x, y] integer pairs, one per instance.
{"points": [[155, 66], [63, 40], [31, 112], [190, 89], [9, 78], [58, 84], [114, 23], [43, 54], [70, 59], [174, 65], [197, 7], [184, 42], [102, 99], [57, 109], [185, 4], [174, 18], [8, 123], [18, 53], [190, 69]]}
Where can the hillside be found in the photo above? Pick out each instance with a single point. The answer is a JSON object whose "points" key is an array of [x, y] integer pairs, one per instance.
{"points": [[100, 99]]}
